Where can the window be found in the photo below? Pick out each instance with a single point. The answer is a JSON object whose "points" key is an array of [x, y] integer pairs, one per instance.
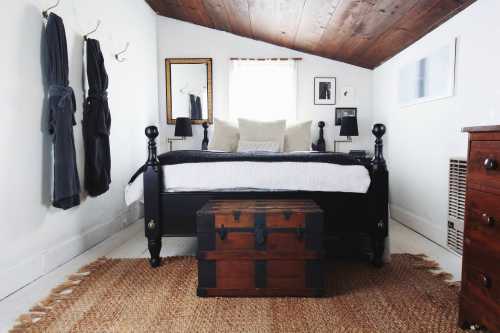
{"points": [[263, 89]]}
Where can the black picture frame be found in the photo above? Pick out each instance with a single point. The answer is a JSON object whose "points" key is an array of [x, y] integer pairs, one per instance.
{"points": [[331, 91], [342, 112]]}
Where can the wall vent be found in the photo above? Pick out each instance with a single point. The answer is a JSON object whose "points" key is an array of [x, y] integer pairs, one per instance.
{"points": [[456, 204]]}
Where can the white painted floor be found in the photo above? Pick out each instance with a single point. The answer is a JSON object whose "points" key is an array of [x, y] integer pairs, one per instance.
{"points": [[131, 243]]}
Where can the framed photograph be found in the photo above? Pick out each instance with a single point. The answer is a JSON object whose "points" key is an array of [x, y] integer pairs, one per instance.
{"points": [[344, 112], [325, 90]]}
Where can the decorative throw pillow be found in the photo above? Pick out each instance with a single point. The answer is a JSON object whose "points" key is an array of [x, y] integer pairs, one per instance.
{"points": [[298, 137], [253, 130], [225, 136], [249, 146]]}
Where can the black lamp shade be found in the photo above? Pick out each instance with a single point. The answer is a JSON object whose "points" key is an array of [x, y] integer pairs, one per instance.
{"points": [[183, 126], [349, 126]]}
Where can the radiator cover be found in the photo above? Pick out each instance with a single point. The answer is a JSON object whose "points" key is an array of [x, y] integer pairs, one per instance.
{"points": [[456, 204]]}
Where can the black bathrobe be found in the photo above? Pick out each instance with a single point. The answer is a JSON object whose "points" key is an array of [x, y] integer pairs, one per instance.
{"points": [[62, 109], [195, 107], [96, 123]]}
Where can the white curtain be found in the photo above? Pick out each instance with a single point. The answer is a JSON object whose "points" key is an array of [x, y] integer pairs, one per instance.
{"points": [[263, 89]]}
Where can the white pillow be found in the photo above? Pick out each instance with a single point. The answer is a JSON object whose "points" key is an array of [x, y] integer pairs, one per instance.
{"points": [[249, 146], [225, 136], [298, 137], [252, 130]]}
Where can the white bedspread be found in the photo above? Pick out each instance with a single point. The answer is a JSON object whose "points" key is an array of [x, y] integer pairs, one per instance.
{"points": [[266, 176]]}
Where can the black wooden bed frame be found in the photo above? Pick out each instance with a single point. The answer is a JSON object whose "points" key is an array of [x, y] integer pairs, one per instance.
{"points": [[174, 213]]}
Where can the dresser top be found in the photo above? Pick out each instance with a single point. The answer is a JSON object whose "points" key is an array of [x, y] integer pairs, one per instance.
{"points": [[490, 128]]}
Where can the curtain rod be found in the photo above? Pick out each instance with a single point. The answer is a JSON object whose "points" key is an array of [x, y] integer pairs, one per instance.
{"points": [[262, 59]]}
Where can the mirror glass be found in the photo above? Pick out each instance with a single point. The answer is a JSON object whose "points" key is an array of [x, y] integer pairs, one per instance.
{"points": [[189, 89]]}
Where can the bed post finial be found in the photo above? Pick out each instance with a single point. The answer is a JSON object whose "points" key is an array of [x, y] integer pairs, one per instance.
{"points": [[204, 143], [378, 158], [320, 144], [152, 133]]}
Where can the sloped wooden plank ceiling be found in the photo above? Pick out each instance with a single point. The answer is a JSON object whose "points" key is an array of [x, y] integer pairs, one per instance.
{"points": [[360, 32]]}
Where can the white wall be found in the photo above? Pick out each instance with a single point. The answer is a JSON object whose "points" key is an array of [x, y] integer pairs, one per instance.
{"points": [[177, 39], [421, 138], [34, 237]]}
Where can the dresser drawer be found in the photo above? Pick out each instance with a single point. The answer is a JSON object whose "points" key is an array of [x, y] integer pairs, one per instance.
{"points": [[484, 165], [481, 275], [483, 217]]}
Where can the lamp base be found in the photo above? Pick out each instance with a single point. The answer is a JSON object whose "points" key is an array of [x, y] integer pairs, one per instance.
{"points": [[348, 140], [171, 140]]}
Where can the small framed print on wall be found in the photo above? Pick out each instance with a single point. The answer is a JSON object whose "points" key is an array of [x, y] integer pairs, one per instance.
{"points": [[344, 112], [325, 90]]}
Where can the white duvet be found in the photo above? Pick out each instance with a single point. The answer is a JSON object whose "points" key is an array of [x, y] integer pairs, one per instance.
{"points": [[265, 176]]}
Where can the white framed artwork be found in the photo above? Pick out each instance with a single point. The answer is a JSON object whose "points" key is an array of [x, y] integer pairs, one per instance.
{"points": [[325, 90], [429, 77]]}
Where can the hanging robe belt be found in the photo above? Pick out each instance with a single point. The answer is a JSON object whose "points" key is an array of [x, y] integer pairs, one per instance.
{"points": [[66, 94], [101, 95], [66, 101]]}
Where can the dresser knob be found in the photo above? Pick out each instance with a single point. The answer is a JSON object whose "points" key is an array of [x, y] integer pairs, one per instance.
{"points": [[490, 164], [222, 232], [486, 281], [488, 220]]}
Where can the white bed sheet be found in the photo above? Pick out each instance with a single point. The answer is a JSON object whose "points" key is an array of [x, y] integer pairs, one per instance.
{"points": [[265, 176]]}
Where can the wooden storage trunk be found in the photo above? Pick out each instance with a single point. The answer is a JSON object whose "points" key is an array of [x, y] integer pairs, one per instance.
{"points": [[260, 248]]}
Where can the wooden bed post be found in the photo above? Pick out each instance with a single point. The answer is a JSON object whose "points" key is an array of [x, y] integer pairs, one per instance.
{"points": [[152, 187], [379, 197], [204, 143], [320, 144]]}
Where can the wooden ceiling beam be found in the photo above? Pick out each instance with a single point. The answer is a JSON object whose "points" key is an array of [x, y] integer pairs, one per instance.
{"points": [[424, 17], [343, 26], [315, 17], [216, 11], [289, 16], [239, 17], [381, 17], [195, 11], [360, 32], [264, 20]]}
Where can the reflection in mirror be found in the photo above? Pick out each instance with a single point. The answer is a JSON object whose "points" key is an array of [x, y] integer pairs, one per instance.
{"points": [[189, 89]]}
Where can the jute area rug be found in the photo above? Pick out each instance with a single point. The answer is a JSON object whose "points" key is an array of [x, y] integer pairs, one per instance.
{"points": [[126, 295]]}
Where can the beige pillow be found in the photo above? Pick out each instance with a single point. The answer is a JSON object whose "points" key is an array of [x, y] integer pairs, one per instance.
{"points": [[253, 130], [298, 137], [251, 146], [225, 136]]}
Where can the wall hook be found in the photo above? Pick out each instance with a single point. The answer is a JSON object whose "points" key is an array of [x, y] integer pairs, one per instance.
{"points": [[91, 32], [45, 13], [117, 56]]}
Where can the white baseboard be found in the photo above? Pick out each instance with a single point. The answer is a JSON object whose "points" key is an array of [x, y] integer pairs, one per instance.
{"points": [[419, 224], [33, 267]]}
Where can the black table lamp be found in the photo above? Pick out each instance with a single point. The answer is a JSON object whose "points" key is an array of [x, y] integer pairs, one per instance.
{"points": [[183, 129], [348, 128]]}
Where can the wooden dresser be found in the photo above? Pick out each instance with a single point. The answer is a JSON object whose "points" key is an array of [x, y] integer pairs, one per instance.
{"points": [[480, 292]]}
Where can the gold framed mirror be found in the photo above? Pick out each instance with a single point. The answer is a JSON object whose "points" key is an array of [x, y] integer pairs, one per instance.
{"points": [[189, 89]]}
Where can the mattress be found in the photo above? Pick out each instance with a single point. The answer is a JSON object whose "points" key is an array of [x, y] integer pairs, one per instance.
{"points": [[257, 176]]}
